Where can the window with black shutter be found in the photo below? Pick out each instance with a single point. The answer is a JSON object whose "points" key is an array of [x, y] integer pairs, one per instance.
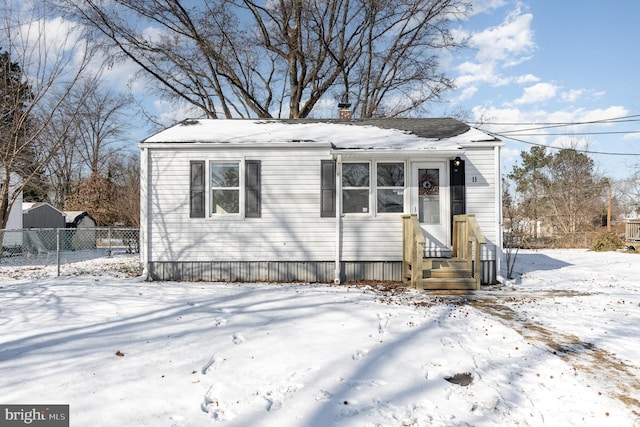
{"points": [[328, 188], [252, 189], [197, 189]]}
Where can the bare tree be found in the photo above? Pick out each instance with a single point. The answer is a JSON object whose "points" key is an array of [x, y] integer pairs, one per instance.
{"points": [[247, 58], [65, 165], [628, 193], [514, 220], [39, 74], [100, 124]]}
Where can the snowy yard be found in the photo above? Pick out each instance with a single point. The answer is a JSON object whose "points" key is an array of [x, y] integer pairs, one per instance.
{"points": [[559, 346]]}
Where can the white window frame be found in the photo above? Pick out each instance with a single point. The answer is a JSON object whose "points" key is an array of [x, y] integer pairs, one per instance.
{"points": [[240, 189], [369, 211], [403, 188]]}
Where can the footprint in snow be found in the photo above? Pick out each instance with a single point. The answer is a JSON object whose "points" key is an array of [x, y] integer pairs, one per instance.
{"points": [[323, 395], [274, 401], [238, 338], [215, 360], [383, 322], [220, 321], [216, 409], [360, 354]]}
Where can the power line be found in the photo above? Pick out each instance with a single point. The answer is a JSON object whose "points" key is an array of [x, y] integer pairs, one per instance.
{"points": [[543, 125], [516, 133], [498, 135], [511, 134]]}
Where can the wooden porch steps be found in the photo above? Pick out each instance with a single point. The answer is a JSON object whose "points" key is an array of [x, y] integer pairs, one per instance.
{"points": [[460, 272], [446, 273], [449, 283]]}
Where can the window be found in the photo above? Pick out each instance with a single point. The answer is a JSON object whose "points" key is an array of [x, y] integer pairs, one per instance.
{"points": [[355, 187], [225, 187], [234, 188], [390, 187]]}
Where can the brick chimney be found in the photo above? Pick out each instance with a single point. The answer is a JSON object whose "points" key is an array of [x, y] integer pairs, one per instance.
{"points": [[345, 112]]}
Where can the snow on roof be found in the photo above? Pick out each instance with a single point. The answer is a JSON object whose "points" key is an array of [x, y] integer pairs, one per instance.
{"points": [[27, 206], [342, 135]]}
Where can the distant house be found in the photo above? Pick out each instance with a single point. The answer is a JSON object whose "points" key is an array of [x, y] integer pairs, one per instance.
{"points": [[42, 215], [320, 201]]}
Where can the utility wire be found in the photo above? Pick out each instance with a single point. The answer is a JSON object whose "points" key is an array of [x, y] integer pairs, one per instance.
{"points": [[510, 134], [498, 135], [546, 125], [516, 133]]}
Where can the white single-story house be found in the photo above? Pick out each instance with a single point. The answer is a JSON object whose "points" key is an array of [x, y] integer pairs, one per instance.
{"points": [[318, 200]]}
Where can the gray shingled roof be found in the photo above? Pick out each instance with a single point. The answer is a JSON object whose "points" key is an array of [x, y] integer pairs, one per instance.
{"points": [[437, 128]]}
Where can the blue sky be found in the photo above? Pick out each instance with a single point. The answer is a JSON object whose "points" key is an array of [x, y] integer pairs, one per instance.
{"points": [[553, 62]]}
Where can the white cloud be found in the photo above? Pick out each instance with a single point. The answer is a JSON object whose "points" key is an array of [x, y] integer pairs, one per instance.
{"points": [[497, 48], [537, 93], [509, 43], [575, 142], [572, 95], [631, 136], [467, 93], [480, 6], [612, 112], [509, 155], [170, 113], [527, 78]]}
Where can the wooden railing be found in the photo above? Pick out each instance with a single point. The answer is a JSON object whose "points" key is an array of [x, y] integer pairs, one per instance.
{"points": [[632, 230], [412, 251], [466, 234], [467, 241]]}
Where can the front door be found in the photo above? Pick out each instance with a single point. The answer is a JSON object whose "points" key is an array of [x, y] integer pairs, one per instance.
{"points": [[430, 201]]}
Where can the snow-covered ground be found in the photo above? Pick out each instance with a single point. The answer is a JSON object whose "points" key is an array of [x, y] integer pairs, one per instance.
{"points": [[558, 346]]}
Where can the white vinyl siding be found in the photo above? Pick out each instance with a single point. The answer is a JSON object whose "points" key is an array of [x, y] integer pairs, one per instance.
{"points": [[481, 181], [290, 227]]}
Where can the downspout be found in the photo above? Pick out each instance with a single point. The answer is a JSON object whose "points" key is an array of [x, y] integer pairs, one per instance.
{"points": [[145, 223], [498, 200], [336, 277]]}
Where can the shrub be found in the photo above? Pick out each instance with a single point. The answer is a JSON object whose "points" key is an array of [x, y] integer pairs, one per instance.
{"points": [[609, 241]]}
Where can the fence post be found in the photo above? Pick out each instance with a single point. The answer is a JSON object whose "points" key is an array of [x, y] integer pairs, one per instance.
{"points": [[58, 250], [110, 250]]}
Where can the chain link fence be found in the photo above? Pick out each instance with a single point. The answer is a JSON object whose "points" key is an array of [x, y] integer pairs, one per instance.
{"points": [[63, 246]]}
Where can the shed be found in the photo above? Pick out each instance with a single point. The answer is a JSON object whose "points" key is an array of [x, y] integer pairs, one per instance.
{"points": [[42, 215], [81, 234], [79, 219], [321, 201]]}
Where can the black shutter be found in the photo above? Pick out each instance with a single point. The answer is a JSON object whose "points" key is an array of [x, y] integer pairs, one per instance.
{"points": [[328, 188], [197, 189], [252, 188], [457, 180]]}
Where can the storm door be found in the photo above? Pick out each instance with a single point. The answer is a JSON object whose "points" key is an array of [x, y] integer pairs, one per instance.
{"points": [[430, 201]]}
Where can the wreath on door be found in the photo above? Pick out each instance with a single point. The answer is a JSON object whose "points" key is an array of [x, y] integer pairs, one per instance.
{"points": [[428, 184]]}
